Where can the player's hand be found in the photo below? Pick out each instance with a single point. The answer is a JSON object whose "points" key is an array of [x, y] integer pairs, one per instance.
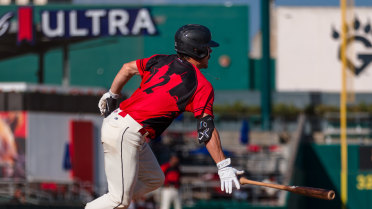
{"points": [[107, 103], [228, 175]]}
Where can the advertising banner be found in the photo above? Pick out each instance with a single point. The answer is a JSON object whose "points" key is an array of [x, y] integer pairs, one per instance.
{"points": [[56, 153], [12, 144], [77, 23], [309, 42]]}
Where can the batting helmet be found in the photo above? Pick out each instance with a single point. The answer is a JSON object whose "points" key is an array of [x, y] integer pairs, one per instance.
{"points": [[193, 40]]}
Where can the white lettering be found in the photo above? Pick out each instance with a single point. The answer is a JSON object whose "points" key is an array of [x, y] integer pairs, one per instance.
{"points": [[74, 30], [95, 15], [73, 23], [45, 25], [4, 23], [118, 20], [143, 21]]}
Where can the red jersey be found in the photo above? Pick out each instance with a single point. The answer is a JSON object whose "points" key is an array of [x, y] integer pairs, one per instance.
{"points": [[169, 87], [172, 175]]}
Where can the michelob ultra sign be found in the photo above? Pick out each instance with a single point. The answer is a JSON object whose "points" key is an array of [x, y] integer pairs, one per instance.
{"points": [[73, 23]]}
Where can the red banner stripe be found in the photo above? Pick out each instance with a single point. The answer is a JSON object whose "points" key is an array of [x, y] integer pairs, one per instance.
{"points": [[25, 30], [81, 150]]}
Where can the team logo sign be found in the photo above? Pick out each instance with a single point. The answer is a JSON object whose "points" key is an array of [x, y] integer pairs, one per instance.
{"points": [[65, 24], [360, 35]]}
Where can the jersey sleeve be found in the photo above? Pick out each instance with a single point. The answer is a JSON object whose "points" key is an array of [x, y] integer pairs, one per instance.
{"points": [[202, 102], [141, 65]]}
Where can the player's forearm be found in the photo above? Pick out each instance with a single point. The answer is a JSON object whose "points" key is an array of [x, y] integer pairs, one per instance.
{"points": [[120, 80], [123, 76], [214, 147]]}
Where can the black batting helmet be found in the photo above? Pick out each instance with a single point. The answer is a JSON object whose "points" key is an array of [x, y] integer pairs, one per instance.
{"points": [[193, 40]]}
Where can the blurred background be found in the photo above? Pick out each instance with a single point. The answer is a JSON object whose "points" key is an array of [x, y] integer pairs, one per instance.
{"points": [[293, 98]]}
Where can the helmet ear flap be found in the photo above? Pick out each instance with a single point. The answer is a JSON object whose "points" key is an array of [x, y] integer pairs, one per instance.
{"points": [[201, 52]]}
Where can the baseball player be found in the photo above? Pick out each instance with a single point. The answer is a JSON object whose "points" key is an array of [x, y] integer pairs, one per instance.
{"points": [[171, 84]]}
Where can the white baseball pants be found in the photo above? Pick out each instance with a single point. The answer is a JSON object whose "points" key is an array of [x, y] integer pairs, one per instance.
{"points": [[131, 167], [170, 195]]}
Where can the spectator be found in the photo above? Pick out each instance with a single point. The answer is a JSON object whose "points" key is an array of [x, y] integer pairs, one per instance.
{"points": [[270, 193], [18, 195], [170, 191], [8, 150]]}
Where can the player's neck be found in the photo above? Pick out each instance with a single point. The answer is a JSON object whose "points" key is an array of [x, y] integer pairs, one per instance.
{"points": [[194, 62]]}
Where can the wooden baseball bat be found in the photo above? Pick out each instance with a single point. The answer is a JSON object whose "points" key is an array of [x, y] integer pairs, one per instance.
{"points": [[307, 191]]}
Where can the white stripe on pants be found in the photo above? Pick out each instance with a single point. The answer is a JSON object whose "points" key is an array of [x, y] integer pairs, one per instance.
{"points": [[131, 167]]}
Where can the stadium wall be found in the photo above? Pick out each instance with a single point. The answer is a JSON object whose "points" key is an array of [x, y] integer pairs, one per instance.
{"points": [[319, 166], [95, 62]]}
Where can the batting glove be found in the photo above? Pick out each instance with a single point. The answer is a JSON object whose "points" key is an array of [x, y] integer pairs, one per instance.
{"points": [[227, 175], [105, 105]]}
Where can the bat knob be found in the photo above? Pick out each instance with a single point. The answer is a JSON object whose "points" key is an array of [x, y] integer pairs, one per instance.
{"points": [[331, 195]]}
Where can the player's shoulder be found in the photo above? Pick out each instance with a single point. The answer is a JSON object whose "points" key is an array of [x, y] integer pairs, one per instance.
{"points": [[203, 83], [202, 78], [159, 58]]}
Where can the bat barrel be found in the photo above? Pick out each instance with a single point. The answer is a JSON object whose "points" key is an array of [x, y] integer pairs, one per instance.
{"points": [[312, 192], [308, 191]]}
